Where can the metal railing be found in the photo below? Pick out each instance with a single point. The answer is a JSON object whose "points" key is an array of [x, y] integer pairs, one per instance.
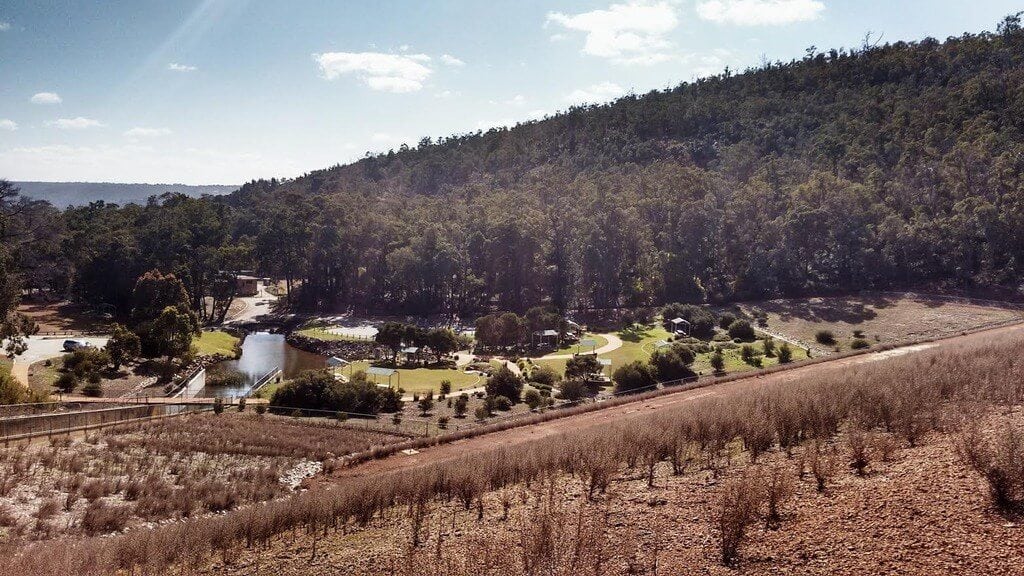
{"points": [[262, 381], [65, 422]]}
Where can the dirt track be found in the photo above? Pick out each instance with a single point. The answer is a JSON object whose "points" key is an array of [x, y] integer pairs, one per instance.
{"points": [[532, 432]]}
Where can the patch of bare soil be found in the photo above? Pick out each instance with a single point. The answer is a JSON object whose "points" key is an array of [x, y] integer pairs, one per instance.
{"points": [[881, 317], [61, 317], [923, 512]]}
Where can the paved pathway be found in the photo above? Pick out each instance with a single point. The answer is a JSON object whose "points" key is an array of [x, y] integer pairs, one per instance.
{"points": [[614, 343], [43, 348], [255, 306]]}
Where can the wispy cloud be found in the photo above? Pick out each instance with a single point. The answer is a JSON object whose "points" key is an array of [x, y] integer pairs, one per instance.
{"points": [[385, 72], [78, 123], [451, 60], [760, 12], [45, 98], [177, 67], [631, 33], [140, 132], [596, 93], [4, 26], [9, 125]]}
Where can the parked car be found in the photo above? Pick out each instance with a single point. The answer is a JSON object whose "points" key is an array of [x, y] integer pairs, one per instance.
{"points": [[72, 345]]}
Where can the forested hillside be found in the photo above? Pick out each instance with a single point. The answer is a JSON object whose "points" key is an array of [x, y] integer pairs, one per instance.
{"points": [[884, 166]]}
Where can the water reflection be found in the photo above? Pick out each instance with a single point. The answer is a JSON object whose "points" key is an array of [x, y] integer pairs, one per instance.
{"points": [[261, 353]]}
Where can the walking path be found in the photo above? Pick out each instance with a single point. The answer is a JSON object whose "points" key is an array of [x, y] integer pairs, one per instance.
{"points": [[44, 348], [614, 343]]}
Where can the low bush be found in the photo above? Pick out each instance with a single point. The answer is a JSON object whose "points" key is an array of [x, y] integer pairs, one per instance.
{"points": [[825, 337], [102, 518], [859, 344], [999, 459], [742, 330]]}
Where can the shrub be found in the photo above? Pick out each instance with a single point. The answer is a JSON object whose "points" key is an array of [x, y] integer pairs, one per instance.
{"points": [[66, 382], [634, 376], [218, 405], [572, 390], [93, 389], [533, 399], [241, 404], [726, 320], [260, 408], [999, 460], [718, 362], [860, 456], [859, 344], [101, 518], [505, 383], [825, 337], [750, 355], [672, 363], [123, 345], [442, 422], [426, 404], [769, 347], [446, 387], [737, 509], [544, 375], [823, 466], [785, 353], [482, 413], [858, 333], [502, 403], [319, 390], [742, 330], [461, 405], [582, 367]]}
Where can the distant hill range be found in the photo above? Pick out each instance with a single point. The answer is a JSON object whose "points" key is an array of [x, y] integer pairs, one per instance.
{"points": [[64, 194]]}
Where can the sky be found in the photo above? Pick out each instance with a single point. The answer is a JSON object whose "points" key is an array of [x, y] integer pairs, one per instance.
{"points": [[226, 91]]}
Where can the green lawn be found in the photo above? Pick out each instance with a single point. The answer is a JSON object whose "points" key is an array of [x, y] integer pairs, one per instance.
{"points": [[575, 348], [319, 333], [424, 379], [638, 344], [734, 360], [216, 342]]}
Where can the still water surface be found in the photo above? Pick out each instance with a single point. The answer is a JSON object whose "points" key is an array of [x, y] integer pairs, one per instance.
{"points": [[261, 353]]}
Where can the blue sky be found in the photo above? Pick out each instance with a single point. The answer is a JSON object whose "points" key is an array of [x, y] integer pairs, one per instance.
{"points": [[221, 91]]}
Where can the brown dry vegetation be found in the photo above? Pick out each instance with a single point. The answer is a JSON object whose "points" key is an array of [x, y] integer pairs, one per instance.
{"points": [[171, 469], [914, 401], [881, 317]]}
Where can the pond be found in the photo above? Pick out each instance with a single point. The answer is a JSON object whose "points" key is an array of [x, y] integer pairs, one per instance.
{"points": [[261, 353]]}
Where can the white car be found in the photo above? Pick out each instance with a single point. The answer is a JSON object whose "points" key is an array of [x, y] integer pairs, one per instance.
{"points": [[72, 345]]}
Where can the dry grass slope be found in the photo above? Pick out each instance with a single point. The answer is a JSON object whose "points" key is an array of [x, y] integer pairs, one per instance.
{"points": [[805, 424]]}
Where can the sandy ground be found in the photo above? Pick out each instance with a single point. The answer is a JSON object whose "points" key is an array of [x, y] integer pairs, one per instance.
{"points": [[881, 317]]}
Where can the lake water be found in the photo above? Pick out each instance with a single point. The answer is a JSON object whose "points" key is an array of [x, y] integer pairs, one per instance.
{"points": [[261, 353]]}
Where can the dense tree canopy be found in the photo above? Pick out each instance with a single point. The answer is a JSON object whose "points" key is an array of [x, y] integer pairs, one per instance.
{"points": [[885, 166]]}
